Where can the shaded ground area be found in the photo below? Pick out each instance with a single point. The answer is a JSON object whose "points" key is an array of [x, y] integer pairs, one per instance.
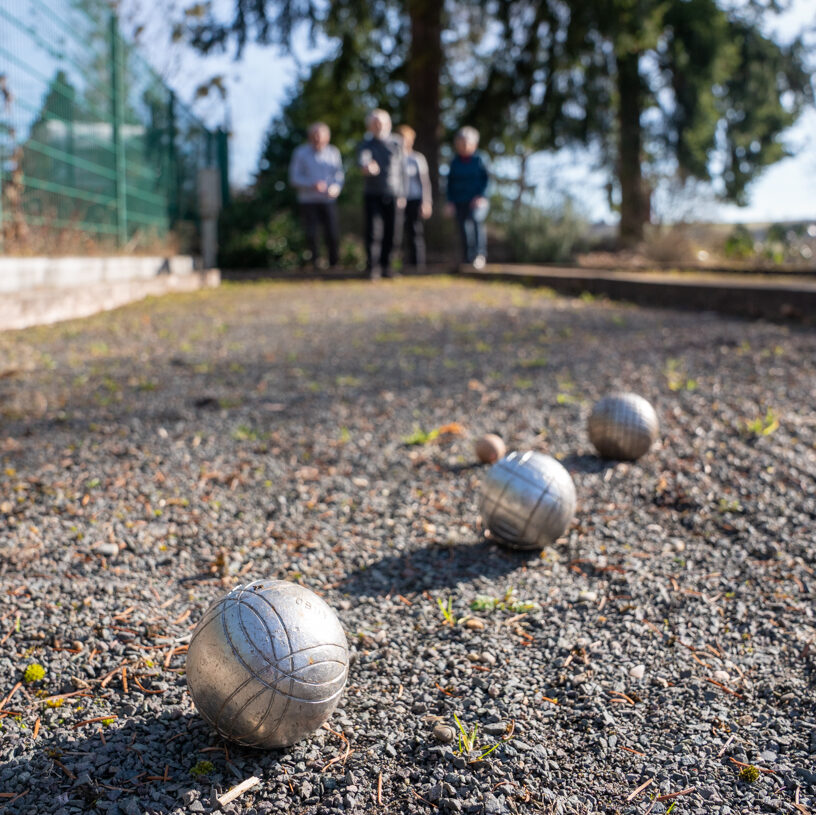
{"points": [[154, 456]]}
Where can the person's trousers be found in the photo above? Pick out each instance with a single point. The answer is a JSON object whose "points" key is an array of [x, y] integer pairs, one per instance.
{"points": [[315, 215], [471, 232], [414, 234], [380, 222]]}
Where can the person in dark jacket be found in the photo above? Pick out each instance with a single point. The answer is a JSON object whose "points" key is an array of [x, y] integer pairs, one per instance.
{"points": [[380, 158], [418, 198], [467, 184]]}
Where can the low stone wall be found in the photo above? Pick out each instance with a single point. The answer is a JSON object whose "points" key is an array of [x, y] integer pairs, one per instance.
{"points": [[40, 290]]}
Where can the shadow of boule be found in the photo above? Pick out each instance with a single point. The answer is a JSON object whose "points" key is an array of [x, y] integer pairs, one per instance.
{"points": [[436, 566]]}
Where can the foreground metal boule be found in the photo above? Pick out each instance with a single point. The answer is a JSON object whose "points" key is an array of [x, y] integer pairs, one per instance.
{"points": [[622, 426], [267, 663], [528, 500]]}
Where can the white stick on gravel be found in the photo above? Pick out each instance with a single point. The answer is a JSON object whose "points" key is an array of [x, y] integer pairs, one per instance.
{"points": [[240, 789]]}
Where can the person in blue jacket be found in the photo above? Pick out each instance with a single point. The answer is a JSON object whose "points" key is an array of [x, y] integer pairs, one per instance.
{"points": [[467, 184]]}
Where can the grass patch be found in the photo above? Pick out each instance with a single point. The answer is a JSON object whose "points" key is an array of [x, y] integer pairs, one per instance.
{"points": [[507, 603], [761, 426], [420, 436], [446, 608]]}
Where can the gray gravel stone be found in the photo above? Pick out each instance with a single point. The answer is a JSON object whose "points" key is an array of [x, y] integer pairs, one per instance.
{"points": [[443, 733]]}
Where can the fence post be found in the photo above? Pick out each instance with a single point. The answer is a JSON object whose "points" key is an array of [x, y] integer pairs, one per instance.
{"points": [[223, 164], [172, 167], [118, 115], [209, 206]]}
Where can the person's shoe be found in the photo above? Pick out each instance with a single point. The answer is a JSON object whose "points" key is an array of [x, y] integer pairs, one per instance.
{"points": [[479, 262], [373, 274], [391, 274]]}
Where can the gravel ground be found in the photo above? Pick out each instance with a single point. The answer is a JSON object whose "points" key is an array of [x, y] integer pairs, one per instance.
{"points": [[154, 456]]}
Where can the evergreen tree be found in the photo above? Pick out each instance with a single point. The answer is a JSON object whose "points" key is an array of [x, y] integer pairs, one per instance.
{"points": [[690, 88]]}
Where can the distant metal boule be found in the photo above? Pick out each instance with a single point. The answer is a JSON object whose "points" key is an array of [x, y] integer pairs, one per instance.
{"points": [[267, 664], [528, 500], [622, 426]]}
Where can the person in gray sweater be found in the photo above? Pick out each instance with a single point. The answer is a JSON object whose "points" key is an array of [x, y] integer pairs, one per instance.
{"points": [[418, 198], [380, 158], [316, 173]]}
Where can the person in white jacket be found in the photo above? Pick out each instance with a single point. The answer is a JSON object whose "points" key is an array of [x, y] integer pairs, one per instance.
{"points": [[316, 173], [418, 198]]}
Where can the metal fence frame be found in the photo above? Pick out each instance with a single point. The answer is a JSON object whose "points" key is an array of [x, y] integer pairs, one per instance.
{"points": [[95, 147]]}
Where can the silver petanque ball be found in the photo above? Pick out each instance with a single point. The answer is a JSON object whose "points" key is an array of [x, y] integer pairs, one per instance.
{"points": [[528, 500], [267, 663], [622, 426]]}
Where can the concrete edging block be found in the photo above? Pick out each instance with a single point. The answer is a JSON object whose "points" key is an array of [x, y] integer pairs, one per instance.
{"points": [[69, 288], [25, 273]]}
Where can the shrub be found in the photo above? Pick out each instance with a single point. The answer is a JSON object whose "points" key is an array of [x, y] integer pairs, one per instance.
{"points": [[276, 242], [538, 236], [739, 244], [352, 253], [672, 244]]}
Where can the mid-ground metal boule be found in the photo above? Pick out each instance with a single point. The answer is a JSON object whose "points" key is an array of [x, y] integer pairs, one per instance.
{"points": [[528, 500], [267, 663], [622, 426]]}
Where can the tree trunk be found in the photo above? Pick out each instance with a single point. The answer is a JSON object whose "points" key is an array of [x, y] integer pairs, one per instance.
{"points": [[634, 211], [523, 186], [424, 71]]}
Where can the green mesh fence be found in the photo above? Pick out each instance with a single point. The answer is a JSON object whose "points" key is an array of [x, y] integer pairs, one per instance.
{"points": [[95, 151]]}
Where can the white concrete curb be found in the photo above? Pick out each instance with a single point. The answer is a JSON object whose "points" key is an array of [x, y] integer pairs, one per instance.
{"points": [[23, 273], [39, 290]]}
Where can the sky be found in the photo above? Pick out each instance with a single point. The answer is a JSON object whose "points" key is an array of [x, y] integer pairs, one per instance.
{"points": [[257, 86]]}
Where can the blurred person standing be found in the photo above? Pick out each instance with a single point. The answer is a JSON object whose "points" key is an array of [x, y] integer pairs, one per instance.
{"points": [[316, 173], [418, 198], [467, 184], [380, 157]]}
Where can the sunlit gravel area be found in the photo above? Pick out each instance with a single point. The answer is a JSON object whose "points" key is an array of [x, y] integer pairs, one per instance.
{"points": [[153, 457]]}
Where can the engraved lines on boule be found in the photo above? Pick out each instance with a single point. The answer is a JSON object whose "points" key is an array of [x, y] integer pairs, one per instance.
{"points": [[616, 426], [509, 472], [633, 422], [225, 606], [503, 469], [545, 490], [620, 426], [609, 444], [524, 474], [215, 612], [293, 673], [253, 674], [274, 665]]}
